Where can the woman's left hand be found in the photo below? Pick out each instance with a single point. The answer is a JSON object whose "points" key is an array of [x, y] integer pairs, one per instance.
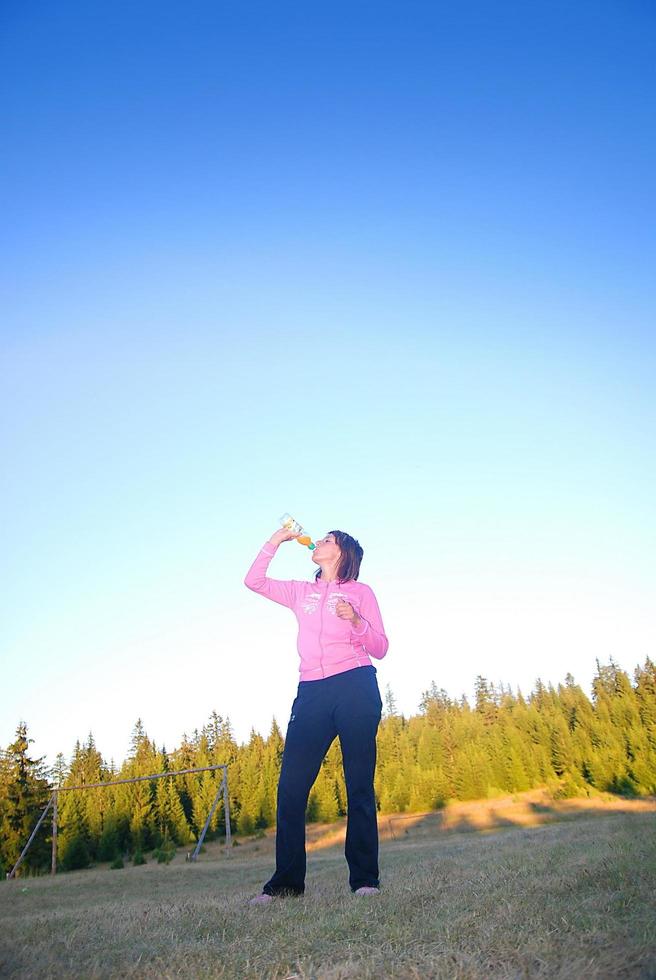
{"points": [[346, 611]]}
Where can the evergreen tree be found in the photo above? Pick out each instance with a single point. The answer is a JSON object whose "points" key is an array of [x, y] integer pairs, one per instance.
{"points": [[140, 796], [73, 842], [561, 749], [109, 844], [486, 704], [24, 794], [176, 826], [59, 770], [323, 805], [472, 772], [141, 814], [390, 702], [271, 765], [645, 688]]}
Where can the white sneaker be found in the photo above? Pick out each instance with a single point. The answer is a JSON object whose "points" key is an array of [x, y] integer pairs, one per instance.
{"points": [[367, 890], [262, 899]]}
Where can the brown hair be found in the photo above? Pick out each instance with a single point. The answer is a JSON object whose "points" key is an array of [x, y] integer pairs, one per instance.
{"points": [[352, 552]]}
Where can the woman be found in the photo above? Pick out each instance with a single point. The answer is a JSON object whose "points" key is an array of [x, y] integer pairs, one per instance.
{"points": [[339, 629]]}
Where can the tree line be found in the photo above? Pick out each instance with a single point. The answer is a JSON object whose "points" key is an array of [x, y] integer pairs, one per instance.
{"points": [[504, 742]]}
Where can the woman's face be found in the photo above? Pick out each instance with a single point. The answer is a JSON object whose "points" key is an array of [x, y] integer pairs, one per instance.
{"points": [[326, 550]]}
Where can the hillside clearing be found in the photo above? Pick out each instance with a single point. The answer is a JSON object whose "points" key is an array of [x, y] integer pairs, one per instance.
{"points": [[567, 899]]}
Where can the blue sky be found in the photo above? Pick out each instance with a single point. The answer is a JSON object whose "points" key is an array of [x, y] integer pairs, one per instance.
{"points": [[388, 267]]}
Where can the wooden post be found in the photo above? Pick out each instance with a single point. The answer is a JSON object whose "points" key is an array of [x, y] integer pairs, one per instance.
{"points": [[55, 800], [226, 811], [12, 873], [207, 822]]}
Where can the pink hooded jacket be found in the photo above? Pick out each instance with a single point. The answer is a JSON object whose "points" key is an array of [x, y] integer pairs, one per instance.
{"points": [[327, 645]]}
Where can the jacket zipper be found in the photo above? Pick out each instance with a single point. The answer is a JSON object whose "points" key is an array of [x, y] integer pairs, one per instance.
{"points": [[323, 602]]}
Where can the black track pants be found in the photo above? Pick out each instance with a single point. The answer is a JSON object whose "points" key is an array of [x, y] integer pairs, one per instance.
{"points": [[347, 705]]}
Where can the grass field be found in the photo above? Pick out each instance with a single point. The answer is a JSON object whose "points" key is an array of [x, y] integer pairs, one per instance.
{"points": [[462, 898]]}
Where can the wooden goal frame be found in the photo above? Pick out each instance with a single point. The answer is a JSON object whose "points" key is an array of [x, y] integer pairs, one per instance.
{"points": [[54, 799]]}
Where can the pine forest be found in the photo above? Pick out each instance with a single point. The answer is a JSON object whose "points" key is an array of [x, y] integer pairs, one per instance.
{"points": [[556, 737]]}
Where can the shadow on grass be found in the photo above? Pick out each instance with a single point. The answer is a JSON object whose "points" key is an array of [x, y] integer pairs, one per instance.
{"points": [[532, 809]]}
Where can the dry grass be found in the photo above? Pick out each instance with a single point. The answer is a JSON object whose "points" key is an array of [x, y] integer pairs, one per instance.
{"points": [[567, 899], [531, 809]]}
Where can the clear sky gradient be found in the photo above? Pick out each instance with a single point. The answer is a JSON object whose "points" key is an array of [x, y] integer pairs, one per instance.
{"points": [[389, 267]]}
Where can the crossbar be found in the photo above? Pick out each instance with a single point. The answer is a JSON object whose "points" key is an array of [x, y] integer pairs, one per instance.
{"points": [[139, 779]]}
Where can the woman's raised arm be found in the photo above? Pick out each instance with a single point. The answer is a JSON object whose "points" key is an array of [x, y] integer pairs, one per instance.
{"points": [[256, 578]]}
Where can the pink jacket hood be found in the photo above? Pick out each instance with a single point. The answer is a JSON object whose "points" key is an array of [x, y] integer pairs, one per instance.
{"points": [[327, 645]]}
